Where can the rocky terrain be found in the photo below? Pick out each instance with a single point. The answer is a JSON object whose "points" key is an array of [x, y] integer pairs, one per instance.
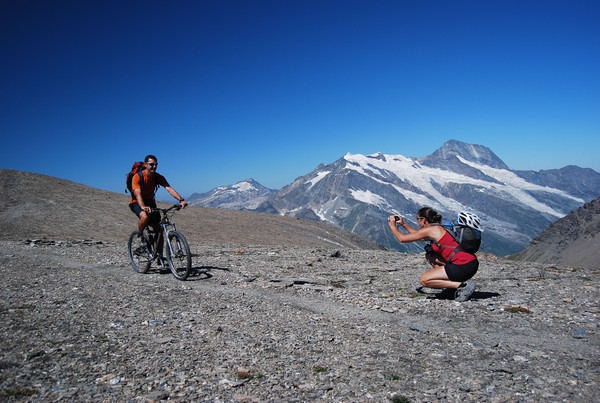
{"points": [[276, 311]]}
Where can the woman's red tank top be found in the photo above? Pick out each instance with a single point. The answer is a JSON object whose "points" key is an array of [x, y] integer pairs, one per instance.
{"points": [[445, 251]]}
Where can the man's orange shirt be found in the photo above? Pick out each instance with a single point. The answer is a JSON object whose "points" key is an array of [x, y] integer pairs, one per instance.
{"points": [[149, 186]]}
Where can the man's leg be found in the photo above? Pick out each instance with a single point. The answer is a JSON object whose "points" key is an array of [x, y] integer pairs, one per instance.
{"points": [[143, 218], [153, 223], [142, 222]]}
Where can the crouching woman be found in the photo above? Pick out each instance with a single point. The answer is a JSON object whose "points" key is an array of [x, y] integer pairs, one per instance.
{"points": [[449, 269]]}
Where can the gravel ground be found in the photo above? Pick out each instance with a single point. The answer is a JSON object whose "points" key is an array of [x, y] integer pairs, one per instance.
{"points": [[294, 324]]}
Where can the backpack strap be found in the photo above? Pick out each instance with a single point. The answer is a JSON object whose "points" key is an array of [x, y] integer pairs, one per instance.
{"points": [[141, 175], [453, 235], [158, 179]]}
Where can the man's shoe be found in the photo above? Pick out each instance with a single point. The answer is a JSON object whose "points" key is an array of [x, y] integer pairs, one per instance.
{"points": [[464, 291], [140, 246]]}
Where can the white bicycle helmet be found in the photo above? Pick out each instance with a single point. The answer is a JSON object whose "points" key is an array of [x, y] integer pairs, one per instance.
{"points": [[470, 220]]}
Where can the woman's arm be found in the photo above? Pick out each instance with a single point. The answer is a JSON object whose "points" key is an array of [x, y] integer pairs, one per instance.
{"points": [[423, 234]]}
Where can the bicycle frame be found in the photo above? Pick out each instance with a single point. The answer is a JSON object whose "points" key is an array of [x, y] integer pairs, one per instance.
{"points": [[166, 226]]}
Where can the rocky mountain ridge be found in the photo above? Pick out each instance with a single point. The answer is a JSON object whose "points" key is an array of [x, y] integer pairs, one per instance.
{"points": [[573, 240], [245, 195], [358, 192]]}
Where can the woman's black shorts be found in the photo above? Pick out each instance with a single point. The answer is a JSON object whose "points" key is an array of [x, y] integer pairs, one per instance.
{"points": [[461, 272]]}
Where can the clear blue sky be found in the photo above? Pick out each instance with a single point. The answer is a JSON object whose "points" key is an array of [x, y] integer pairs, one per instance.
{"points": [[226, 90]]}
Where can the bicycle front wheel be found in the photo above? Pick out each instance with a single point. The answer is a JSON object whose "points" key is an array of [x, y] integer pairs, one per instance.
{"points": [[139, 252], [178, 255]]}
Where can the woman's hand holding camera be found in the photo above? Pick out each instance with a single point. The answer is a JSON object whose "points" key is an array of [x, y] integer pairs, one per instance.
{"points": [[395, 220]]}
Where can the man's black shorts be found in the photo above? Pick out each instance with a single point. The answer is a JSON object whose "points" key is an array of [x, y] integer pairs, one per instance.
{"points": [[154, 217], [138, 210]]}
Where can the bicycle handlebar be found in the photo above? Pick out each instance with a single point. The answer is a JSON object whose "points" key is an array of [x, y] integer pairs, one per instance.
{"points": [[175, 206]]}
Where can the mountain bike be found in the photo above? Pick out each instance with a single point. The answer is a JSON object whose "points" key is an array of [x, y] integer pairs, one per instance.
{"points": [[145, 249]]}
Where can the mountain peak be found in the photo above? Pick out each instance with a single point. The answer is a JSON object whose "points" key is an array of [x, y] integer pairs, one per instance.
{"points": [[246, 194], [471, 152], [248, 185]]}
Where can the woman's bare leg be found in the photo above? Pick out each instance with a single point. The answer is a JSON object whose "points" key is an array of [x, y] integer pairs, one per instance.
{"points": [[437, 278]]}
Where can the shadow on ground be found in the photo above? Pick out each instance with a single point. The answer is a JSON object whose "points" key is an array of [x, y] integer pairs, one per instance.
{"points": [[204, 272], [449, 294], [197, 273]]}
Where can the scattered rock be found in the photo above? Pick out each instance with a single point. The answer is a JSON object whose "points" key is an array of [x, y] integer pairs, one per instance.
{"points": [[255, 324]]}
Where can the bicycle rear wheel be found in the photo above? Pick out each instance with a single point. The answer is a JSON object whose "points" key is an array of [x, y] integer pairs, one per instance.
{"points": [[178, 255], [139, 252]]}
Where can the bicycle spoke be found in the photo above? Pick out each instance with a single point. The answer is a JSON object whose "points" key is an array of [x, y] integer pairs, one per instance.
{"points": [[139, 253], [178, 255]]}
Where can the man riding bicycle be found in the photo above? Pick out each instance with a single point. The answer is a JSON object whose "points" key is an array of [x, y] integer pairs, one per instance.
{"points": [[143, 191]]}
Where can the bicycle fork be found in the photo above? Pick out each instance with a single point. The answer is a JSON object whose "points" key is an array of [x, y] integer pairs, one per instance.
{"points": [[171, 252], [166, 230]]}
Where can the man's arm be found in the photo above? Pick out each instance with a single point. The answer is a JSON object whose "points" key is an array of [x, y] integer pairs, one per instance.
{"points": [[176, 195]]}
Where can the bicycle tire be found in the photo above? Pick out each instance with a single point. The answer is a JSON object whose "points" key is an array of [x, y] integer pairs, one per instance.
{"points": [[179, 256], [139, 255]]}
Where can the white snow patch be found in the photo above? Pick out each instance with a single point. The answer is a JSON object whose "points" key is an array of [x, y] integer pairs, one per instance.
{"points": [[409, 170], [321, 215], [243, 187], [366, 196], [317, 178], [423, 178], [517, 186]]}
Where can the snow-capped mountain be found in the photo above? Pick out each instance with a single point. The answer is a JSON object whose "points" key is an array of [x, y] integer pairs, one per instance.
{"points": [[358, 192], [244, 195]]}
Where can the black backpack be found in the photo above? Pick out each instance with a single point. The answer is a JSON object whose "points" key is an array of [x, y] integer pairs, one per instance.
{"points": [[467, 237]]}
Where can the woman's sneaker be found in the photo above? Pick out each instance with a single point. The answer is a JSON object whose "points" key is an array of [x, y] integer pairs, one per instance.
{"points": [[464, 291]]}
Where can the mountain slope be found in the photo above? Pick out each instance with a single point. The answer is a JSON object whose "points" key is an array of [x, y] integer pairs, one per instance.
{"points": [[39, 206], [573, 240], [578, 182]]}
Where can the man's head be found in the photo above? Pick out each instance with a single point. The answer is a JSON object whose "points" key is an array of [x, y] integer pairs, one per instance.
{"points": [[151, 162]]}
